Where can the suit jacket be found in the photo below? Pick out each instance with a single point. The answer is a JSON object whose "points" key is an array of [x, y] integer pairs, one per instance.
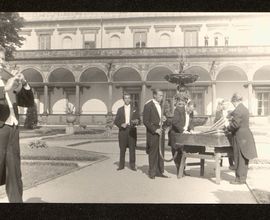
{"points": [[241, 133], [132, 131], [24, 98], [178, 123], [151, 121]]}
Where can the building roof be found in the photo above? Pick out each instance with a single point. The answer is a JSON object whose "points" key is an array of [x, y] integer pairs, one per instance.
{"points": [[59, 16]]}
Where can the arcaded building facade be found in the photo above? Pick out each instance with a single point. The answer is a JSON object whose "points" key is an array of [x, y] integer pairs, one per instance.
{"points": [[89, 59]]}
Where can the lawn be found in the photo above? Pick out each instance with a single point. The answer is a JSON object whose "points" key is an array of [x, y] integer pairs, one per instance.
{"points": [[57, 153]]}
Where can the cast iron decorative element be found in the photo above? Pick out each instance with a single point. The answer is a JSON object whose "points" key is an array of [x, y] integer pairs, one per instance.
{"points": [[182, 78]]}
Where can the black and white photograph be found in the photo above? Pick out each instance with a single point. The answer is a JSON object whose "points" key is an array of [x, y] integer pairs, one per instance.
{"points": [[135, 107]]}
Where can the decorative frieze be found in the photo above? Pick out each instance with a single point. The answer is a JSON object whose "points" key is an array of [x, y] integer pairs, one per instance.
{"points": [[44, 31], [193, 27], [89, 30], [25, 32], [67, 30], [139, 28], [119, 29], [170, 28]]}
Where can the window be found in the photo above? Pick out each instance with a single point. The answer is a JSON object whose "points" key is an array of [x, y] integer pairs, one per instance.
{"points": [[218, 37], [191, 38], [140, 39], [89, 40], [115, 41], [198, 99], [263, 103], [169, 104], [165, 40], [44, 41], [67, 43]]}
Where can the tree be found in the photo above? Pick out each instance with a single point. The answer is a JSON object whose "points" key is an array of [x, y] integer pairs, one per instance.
{"points": [[31, 119], [10, 24]]}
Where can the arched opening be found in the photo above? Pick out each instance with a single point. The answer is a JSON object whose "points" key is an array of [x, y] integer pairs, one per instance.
{"points": [[261, 80], [32, 75], [156, 79], [199, 88], [229, 80], [61, 75], [130, 81], [158, 74], [94, 95], [93, 74], [126, 74], [94, 106], [115, 41], [165, 40], [218, 37], [67, 43], [62, 90], [35, 80]]}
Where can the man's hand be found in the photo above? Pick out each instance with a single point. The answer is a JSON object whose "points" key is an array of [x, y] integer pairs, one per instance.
{"points": [[135, 122], [186, 132], [124, 125], [164, 118], [12, 84], [158, 131]]}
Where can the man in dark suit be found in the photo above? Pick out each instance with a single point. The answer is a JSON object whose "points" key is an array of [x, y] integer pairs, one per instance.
{"points": [[127, 118], [13, 92], [152, 121], [181, 123], [242, 139]]}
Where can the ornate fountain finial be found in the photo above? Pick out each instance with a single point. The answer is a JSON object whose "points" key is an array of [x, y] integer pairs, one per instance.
{"points": [[182, 78]]}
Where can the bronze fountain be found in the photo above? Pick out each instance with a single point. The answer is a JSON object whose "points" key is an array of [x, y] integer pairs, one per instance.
{"points": [[181, 79]]}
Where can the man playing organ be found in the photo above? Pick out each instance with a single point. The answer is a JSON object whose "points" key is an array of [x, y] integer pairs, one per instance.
{"points": [[222, 116]]}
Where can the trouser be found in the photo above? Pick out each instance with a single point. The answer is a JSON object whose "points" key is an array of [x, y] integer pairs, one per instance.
{"points": [[132, 151], [156, 164], [177, 159], [10, 162], [241, 165]]}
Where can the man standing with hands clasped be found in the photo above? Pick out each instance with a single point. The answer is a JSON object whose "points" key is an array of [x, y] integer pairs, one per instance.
{"points": [[153, 121], [244, 147], [127, 118], [14, 92]]}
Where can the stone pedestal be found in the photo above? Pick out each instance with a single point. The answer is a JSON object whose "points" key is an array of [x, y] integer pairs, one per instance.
{"points": [[70, 128]]}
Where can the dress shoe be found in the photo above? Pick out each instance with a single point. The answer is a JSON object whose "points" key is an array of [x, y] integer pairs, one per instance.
{"points": [[232, 167], [186, 174], [152, 177], [133, 168], [237, 182], [163, 176], [120, 168]]}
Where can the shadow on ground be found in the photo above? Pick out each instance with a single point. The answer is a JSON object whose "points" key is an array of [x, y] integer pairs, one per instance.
{"points": [[262, 196], [226, 196]]}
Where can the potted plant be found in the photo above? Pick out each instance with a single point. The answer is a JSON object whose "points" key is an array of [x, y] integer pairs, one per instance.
{"points": [[70, 111]]}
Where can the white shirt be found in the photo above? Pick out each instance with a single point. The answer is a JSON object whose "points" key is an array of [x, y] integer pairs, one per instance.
{"points": [[11, 98], [187, 120], [127, 113], [158, 107]]}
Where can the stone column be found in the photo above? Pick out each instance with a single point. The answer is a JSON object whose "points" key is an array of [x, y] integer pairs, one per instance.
{"points": [[213, 98], [46, 100], [143, 95], [250, 98], [110, 93], [78, 108]]}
